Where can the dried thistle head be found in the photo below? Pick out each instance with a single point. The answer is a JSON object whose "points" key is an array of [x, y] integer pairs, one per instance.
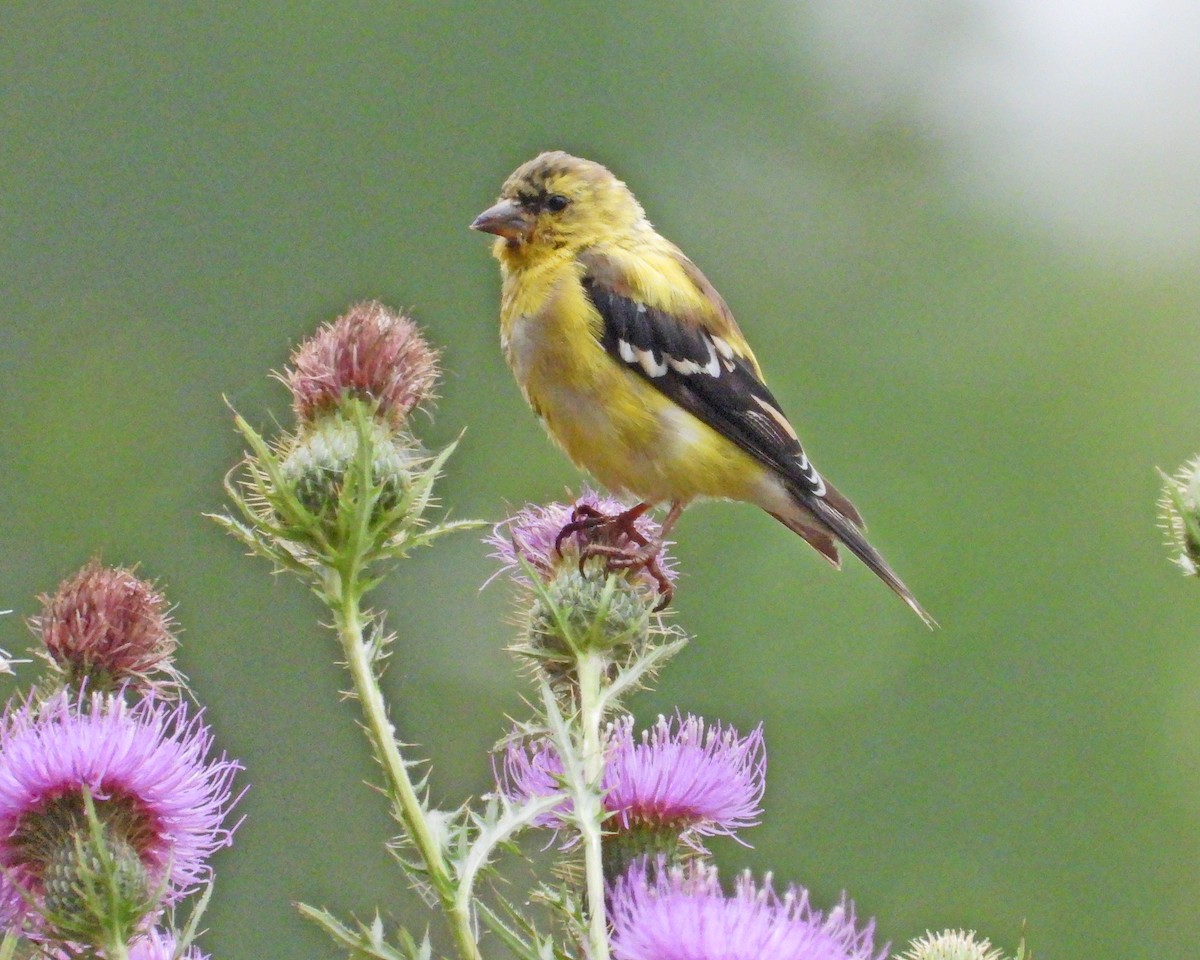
{"points": [[370, 353], [105, 627]]}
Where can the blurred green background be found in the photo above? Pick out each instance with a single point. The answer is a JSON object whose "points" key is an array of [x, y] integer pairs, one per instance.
{"points": [[962, 237]]}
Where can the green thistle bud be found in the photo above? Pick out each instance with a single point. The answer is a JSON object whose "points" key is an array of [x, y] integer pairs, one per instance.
{"points": [[579, 612], [1180, 515], [316, 466]]}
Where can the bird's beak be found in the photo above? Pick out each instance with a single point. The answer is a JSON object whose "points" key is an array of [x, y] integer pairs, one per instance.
{"points": [[506, 219]]}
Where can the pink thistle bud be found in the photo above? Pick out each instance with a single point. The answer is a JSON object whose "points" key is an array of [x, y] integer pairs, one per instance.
{"points": [[369, 353], [106, 627]]}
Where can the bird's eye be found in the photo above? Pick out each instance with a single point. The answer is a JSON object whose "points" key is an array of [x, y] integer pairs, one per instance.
{"points": [[556, 203]]}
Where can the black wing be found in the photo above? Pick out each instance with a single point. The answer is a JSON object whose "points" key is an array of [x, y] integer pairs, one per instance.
{"points": [[701, 373]]}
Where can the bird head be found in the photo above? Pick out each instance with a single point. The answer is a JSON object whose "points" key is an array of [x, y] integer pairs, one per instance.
{"points": [[558, 202]]}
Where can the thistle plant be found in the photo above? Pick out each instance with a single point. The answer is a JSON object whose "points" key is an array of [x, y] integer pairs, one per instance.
{"points": [[337, 500], [347, 492], [113, 797]]}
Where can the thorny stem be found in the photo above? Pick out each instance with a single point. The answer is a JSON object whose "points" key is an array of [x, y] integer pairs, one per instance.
{"points": [[590, 670], [345, 597]]}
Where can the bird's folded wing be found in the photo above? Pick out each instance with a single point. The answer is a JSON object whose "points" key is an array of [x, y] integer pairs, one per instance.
{"points": [[704, 373]]}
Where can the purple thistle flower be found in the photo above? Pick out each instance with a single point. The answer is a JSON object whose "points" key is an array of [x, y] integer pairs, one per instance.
{"points": [[678, 777], [530, 534], [682, 914], [152, 777]]}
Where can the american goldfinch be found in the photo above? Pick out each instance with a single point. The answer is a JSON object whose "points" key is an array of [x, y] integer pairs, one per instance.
{"points": [[635, 365]]}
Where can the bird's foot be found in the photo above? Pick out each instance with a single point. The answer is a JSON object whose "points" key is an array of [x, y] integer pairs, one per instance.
{"points": [[644, 557], [619, 541]]}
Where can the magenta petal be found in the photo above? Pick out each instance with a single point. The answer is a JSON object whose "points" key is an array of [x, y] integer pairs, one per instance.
{"points": [[683, 914]]}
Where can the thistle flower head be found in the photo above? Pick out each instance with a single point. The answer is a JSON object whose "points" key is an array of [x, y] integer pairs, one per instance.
{"points": [[352, 479], [87, 781], [370, 353], [675, 783], [681, 913], [105, 627], [951, 945], [680, 776], [533, 535], [1179, 509], [577, 601]]}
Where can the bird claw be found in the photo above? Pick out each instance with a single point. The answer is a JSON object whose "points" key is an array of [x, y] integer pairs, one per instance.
{"points": [[643, 554], [583, 518]]}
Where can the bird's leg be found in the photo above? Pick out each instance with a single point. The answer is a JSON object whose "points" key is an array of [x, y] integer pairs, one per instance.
{"points": [[587, 519], [603, 535], [644, 553]]}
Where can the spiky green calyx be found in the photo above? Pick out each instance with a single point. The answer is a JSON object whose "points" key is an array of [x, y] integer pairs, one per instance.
{"points": [[587, 612], [658, 843], [95, 885], [318, 462]]}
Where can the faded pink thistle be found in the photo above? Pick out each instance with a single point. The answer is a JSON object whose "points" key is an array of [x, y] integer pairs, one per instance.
{"points": [[151, 770], [370, 353], [674, 913], [678, 776], [154, 944], [158, 944], [531, 533], [105, 627]]}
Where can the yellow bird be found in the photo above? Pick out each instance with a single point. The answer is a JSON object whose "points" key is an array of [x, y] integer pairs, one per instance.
{"points": [[636, 367]]}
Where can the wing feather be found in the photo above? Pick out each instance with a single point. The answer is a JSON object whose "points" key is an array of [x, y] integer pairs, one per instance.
{"points": [[705, 373]]}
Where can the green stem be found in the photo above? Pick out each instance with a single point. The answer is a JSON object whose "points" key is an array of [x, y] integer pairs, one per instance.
{"points": [[349, 621], [590, 670], [116, 949]]}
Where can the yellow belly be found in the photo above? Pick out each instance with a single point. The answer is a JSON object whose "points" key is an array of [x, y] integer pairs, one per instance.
{"points": [[619, 428]]}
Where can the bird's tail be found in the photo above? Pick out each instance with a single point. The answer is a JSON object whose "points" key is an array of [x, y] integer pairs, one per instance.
{"points": [[821, 522]]}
